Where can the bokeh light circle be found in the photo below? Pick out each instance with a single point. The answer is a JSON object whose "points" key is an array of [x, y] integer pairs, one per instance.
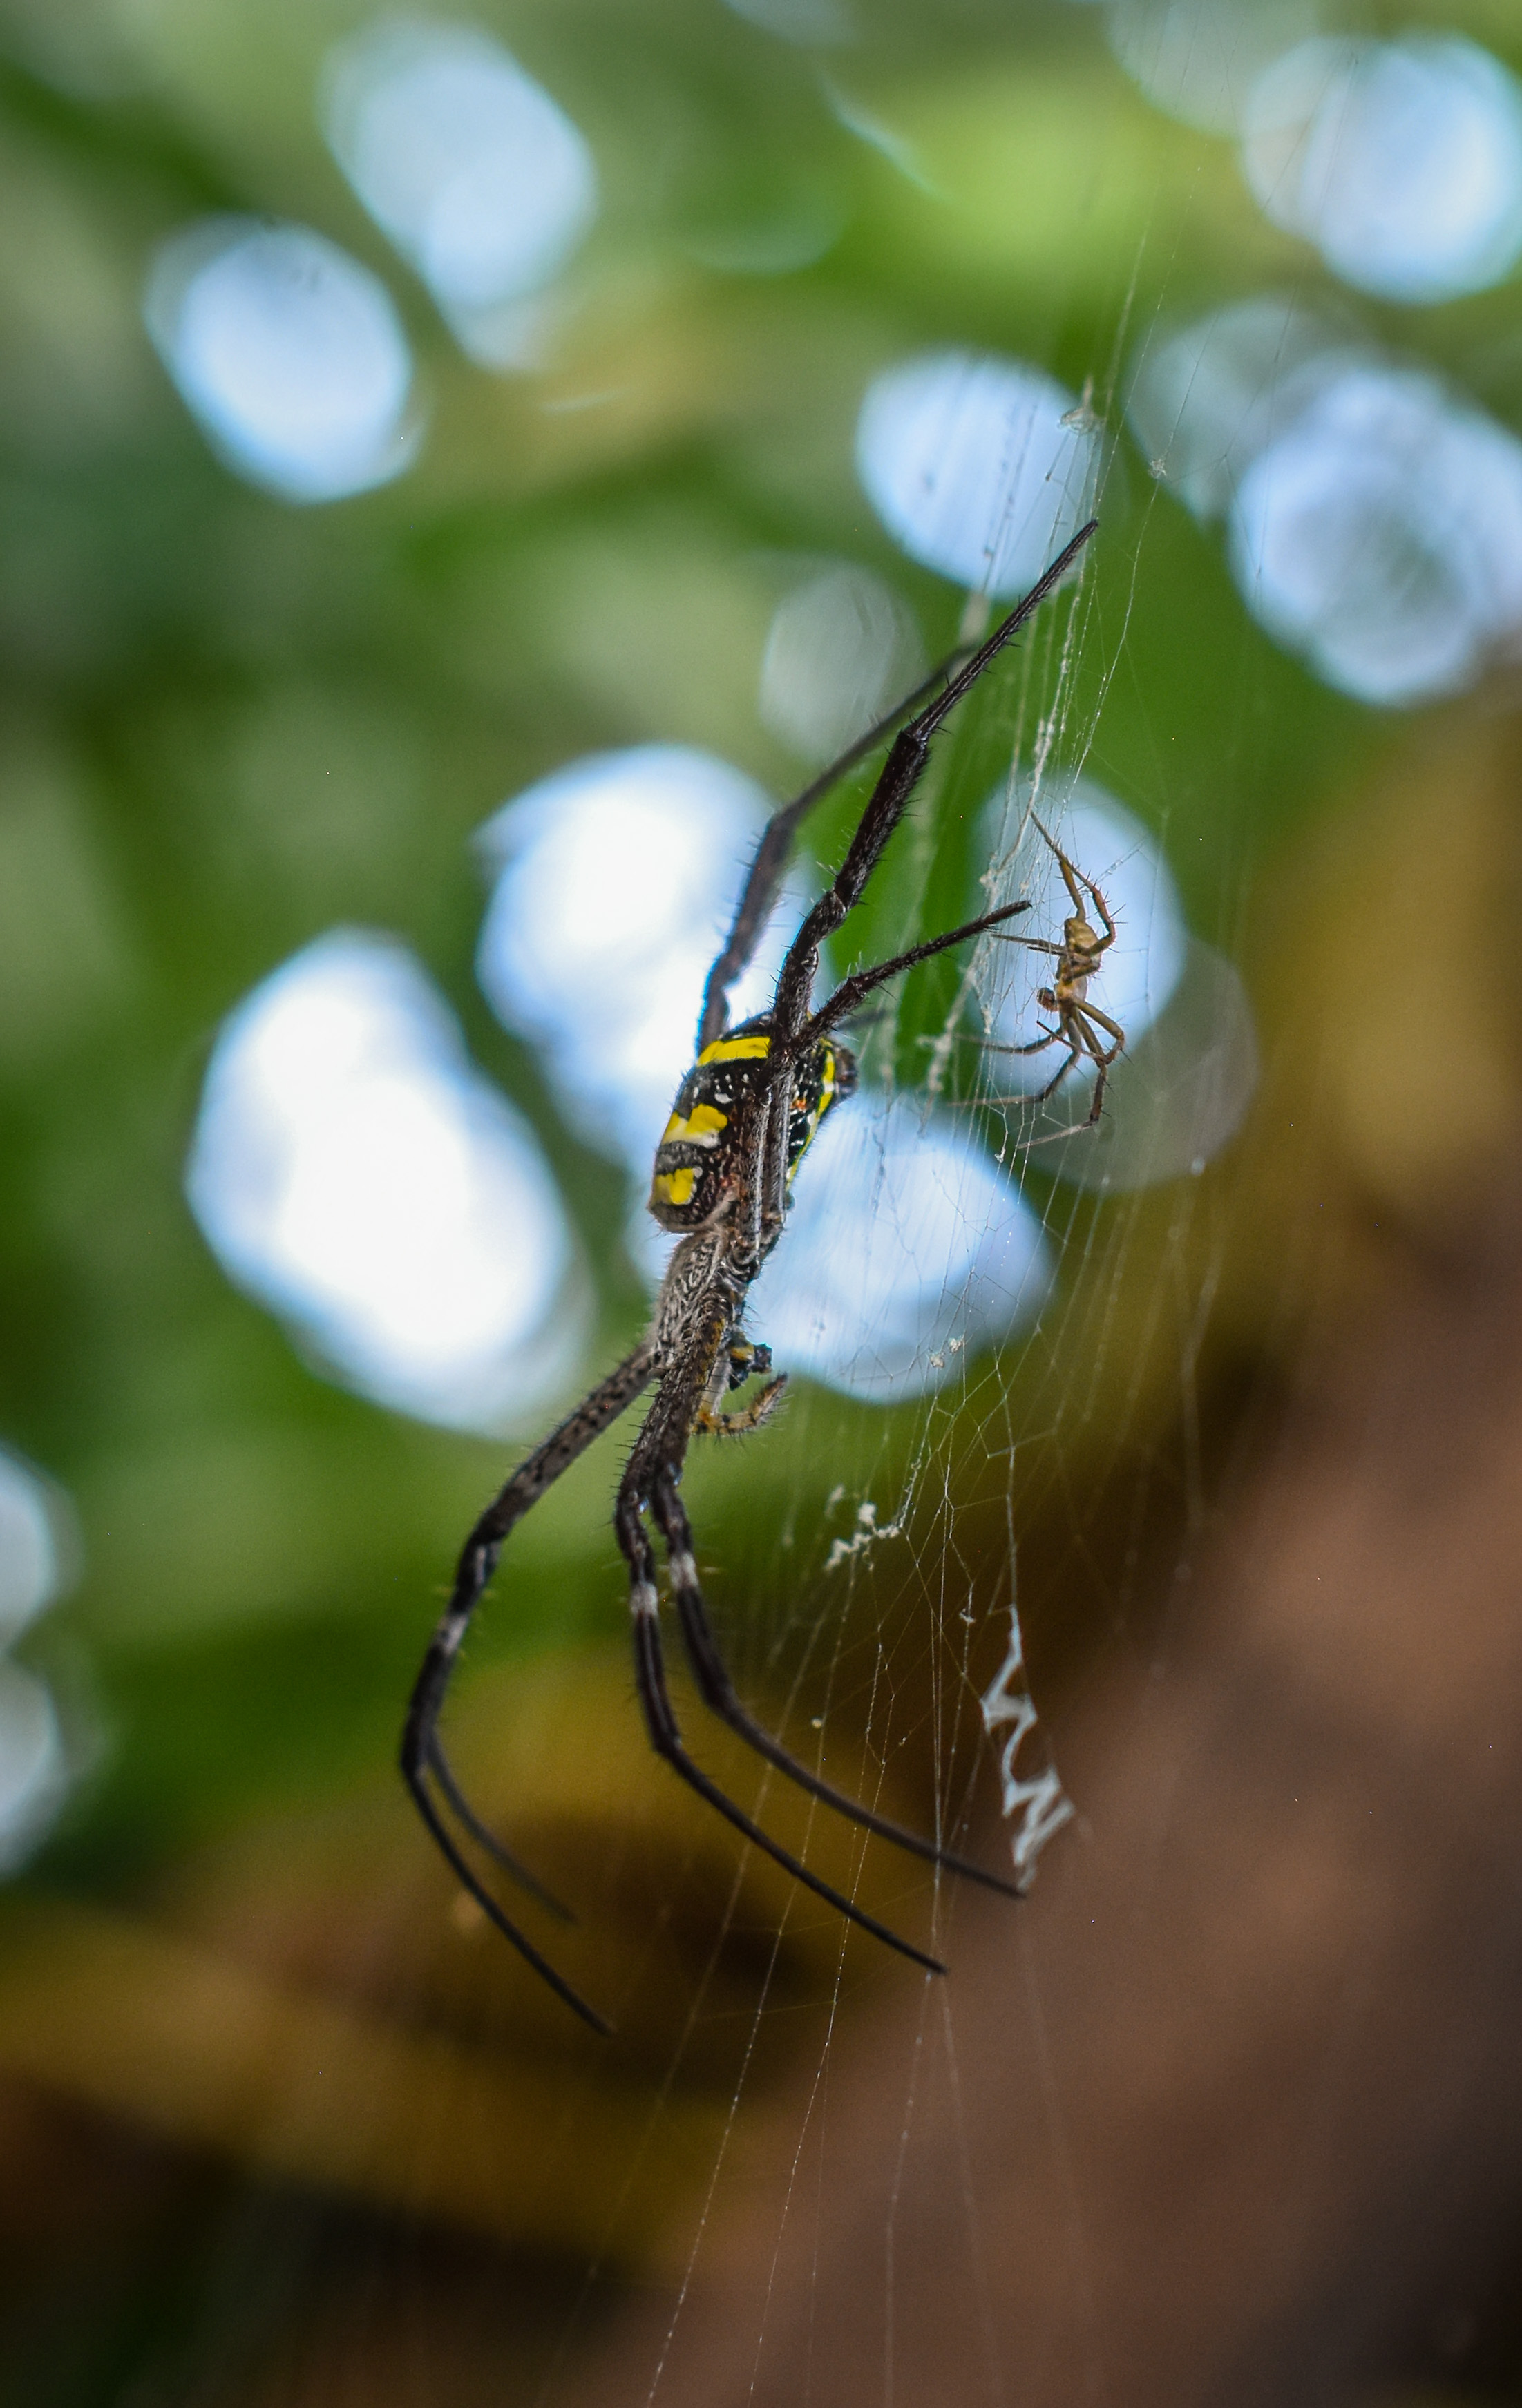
{"points": [[1207, 398], [289, 352], [842, 650], [354, 1172], [1401, 161], [811, 23], [1380, 535], [907, 1252], [474, 172], [614, 881], [38, 1545], [980, 467], [34, 1767], [1199, 59]]}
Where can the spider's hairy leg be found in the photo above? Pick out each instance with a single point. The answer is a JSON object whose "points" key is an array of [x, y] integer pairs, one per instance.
{"points": [[652, 1453], [1071, 873], [422, 1753], [1092, 1012], [752, 1416], [718, 1693], [889, 800], [851, 991], [764, 878], [738, 1362], [484, 1837]]}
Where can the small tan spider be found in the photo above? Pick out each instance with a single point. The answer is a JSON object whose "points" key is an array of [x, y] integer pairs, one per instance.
{"points": [[1079, 1020]]}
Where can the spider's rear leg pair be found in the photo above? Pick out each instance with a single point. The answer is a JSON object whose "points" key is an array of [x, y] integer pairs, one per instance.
{"points": [[652, 1480]]}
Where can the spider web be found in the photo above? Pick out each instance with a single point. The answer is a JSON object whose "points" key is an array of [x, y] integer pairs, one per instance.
{"points": [[902, 1580], [903, 1597], [954, 1575], [887, 1602]]}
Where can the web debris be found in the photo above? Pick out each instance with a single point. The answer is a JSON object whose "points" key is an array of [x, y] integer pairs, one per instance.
{"points": [[865, 1535], [1036, 1806]]}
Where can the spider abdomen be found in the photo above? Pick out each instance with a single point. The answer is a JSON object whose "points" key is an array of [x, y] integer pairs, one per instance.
{"points": [[712, 1131], [824, 1076]]}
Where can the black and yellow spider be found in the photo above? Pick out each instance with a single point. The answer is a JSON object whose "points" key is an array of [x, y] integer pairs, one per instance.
{"points": [[743, 1117]]}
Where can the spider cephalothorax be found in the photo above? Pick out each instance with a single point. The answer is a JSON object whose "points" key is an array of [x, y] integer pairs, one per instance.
{"points": [[743, 1117]]}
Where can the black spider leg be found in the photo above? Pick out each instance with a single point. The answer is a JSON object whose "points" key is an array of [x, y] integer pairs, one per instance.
{"points": [[769, 859], [854, 991], [656, 1458], [765, 875], [887, 802], [443, 1772], [421, 1751], [718, 1692]]}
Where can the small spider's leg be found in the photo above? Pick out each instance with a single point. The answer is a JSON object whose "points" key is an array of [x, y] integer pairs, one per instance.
{"points": [[1071, 1061], [765, 876], [1069, 873], [889, 798], [1101, 1058], [851, 991], [1092, 1012], [1103, 909], [718, 1693], [1038, 1044]]}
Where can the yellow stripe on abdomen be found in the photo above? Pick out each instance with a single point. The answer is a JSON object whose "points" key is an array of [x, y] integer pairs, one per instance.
{"points": [[735, 1049], [700, 1127], [673, 1187]]}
